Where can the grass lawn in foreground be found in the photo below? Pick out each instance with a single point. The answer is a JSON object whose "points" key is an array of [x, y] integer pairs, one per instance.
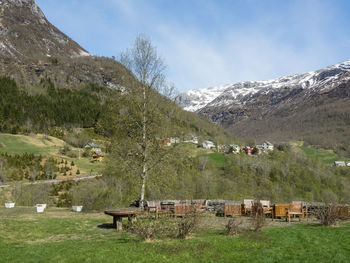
{"points": [[59, 235]]}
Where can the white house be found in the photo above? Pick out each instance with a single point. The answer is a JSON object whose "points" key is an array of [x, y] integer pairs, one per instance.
{"points": [[193, 139], [339, 163], [267, 146], [223, 148], [208, 145], [235, 148], [93, 147], [174, 140]]}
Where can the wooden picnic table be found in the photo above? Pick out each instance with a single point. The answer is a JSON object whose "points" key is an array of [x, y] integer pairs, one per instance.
{"points": [[118, 215]]}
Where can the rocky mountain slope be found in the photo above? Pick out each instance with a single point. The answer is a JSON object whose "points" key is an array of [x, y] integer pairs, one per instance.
{"points": [[31, 47], [313, 106], [244, 92]]}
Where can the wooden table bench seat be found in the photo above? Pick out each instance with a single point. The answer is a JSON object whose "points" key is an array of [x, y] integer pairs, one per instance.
{"points": [[118, 215]]}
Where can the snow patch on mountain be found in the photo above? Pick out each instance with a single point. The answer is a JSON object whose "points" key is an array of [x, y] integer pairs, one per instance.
{"points": [[241, 92], [194, 100]]}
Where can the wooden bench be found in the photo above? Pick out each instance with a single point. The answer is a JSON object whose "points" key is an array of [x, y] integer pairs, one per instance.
{"points": [[280, 210], [343, 212], [247, 205], [268, 210], [233, 209], [181, 210], [156, 208], [296, 209]]}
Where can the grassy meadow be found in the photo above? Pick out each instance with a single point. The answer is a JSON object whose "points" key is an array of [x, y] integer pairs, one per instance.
{"points": [[218, 159], [46, 146], [35, 144], [325, 156], [59, 235]]}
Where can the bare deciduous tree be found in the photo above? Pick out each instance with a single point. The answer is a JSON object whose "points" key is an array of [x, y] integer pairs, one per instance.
{"points": [[148, 69]]}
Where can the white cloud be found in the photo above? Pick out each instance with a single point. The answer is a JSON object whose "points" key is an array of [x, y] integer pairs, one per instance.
{"points": [[270, 45], [197, 61]]}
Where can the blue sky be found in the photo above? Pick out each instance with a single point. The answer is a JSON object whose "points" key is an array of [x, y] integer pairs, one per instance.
{"points": [[213, 42]]}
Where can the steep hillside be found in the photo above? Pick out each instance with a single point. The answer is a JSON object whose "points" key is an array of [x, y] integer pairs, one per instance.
{"points": [[44, 73], [31, 48], [312, 106], [26, 33]]}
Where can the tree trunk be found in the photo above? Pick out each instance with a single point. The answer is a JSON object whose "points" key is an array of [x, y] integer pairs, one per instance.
{"points": [[144, 148]]}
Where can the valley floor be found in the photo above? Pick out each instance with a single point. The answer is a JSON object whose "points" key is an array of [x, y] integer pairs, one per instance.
{"points": [[59, 235]]}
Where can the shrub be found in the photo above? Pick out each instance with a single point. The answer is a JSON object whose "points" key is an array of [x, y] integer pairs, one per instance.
{"points": [[86, 153], [189, 222], [64, 200], [258, 217], [233, 226], [30, 195], [149, 229], [327, 214], [97, 194], [66, 148]]}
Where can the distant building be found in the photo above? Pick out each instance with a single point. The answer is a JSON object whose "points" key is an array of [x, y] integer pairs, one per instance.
{"points": [[93, 147], [97, 157], [229, 148], [259, 149], [174, 140], [192, 139], [235, 148], [248, 150], [208, 145], [165, 142], [339, 163], [267, 146], [223, 148]]}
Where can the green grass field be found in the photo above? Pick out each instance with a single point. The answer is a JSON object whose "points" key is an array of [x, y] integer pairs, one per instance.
{"points": [[59, 235], [19, 144], [325, 156], [47, 147], [218, 159]]}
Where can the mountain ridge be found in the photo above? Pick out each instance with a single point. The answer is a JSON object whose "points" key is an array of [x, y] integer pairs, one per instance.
{"points": [[195, 100], [312, 107]]}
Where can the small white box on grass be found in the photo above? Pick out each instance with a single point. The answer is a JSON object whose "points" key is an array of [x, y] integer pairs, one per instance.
{"points": [[77, 208], [9, 205], [40, 208]]}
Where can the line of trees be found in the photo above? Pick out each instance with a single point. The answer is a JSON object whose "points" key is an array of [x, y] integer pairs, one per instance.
{"points": [[26, 166], [22, 112]]}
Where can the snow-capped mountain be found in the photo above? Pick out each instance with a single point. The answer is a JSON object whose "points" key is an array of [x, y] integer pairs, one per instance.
{"points": [[313, 107], [242, 92]]}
